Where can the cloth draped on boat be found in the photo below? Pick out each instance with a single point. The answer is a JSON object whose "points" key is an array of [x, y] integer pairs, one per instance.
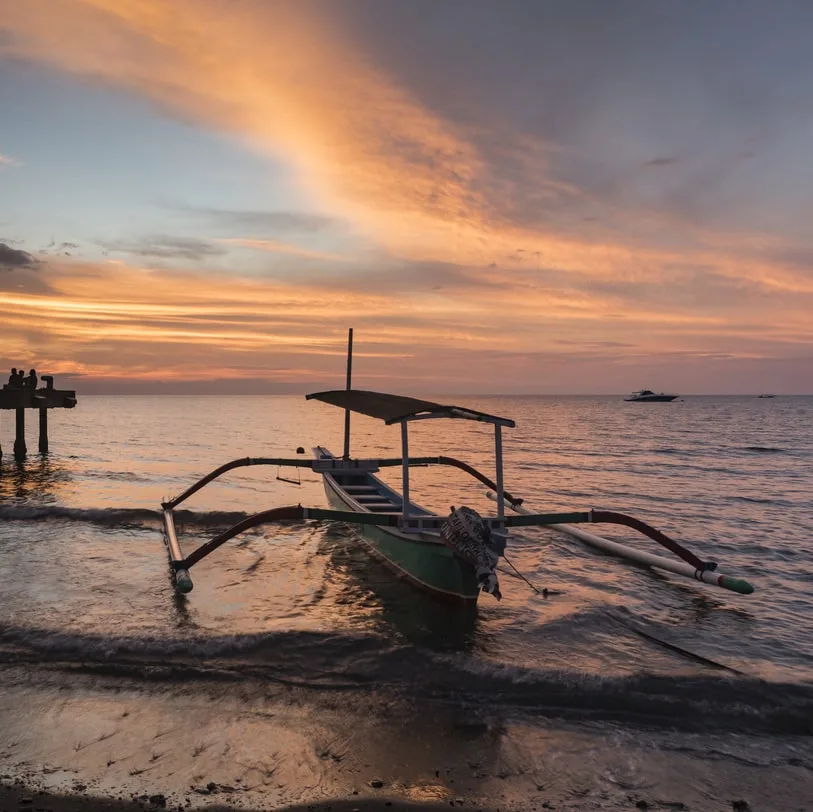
{"points": [[469, 536]]}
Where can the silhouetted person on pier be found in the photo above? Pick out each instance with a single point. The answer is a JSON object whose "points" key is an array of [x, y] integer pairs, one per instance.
{"points": [[31, 380], [15, 380]]}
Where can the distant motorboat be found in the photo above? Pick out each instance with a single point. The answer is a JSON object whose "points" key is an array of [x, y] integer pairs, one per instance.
{"points": [[648, 396], [766, 396]]}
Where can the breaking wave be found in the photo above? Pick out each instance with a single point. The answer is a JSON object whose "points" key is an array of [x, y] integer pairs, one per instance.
{"points": [[364, 663], [112, 517]]}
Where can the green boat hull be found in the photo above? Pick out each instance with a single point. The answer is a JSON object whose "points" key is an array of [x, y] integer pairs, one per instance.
{"points": [[417, 557]]}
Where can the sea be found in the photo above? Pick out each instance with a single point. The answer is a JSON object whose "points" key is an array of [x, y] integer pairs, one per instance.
{"points": [[300, 670]]}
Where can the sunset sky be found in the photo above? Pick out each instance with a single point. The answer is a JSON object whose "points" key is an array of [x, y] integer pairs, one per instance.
{"points": [[504, 196]]}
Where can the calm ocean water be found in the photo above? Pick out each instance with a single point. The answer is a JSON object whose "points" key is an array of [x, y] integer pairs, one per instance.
{"points": [[86, 599]]}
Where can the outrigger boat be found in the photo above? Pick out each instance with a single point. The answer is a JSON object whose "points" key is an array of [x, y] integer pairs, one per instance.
{"points": [[452, 556]]}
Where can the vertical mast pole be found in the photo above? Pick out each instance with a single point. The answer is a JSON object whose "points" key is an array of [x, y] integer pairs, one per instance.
{"points": [[498, 455], [404, 472], [348, 387]]}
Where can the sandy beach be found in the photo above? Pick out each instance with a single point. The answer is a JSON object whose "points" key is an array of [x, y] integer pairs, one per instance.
{"points": [[15, 797], [93, 743]]}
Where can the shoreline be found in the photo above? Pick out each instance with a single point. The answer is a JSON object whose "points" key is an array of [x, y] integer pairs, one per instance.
{"points": [[17, 795]]}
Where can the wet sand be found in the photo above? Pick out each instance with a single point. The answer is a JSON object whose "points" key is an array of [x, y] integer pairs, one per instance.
{"points": [[253, 746], [15, 797]]}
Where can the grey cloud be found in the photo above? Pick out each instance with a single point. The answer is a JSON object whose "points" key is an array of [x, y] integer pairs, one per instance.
{"points": [[561, 96], [262, 221], [796, 256], [386, 274], [664, 161], [63, 248], [165, 246], [11, 258]]}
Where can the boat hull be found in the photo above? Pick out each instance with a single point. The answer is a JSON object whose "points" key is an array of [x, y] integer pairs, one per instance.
{"points": [[652, 399], [419, 558]]}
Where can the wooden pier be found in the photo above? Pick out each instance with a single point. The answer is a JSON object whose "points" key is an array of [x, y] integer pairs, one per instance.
{"points": [[42, 399]]}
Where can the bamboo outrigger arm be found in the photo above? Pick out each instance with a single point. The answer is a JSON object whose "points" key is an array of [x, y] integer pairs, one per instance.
{"points": [[690, 566], [604, 516], [181, 564], [314, 465], [230, 466], [693, 566]]}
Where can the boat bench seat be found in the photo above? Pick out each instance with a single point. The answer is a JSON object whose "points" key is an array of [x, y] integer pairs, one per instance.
{"points": [[360, 488]]}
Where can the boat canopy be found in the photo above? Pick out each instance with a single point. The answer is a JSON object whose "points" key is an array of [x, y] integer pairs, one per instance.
{"points": [[398, 408]]}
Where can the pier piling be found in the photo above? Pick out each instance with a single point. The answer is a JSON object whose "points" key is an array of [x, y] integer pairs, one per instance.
{"points": [[20, 449], [43, 431]]}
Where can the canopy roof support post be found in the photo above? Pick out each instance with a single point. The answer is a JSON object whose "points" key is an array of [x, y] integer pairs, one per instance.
{"points": [[405, 470], [499, 483], [349, 377]]}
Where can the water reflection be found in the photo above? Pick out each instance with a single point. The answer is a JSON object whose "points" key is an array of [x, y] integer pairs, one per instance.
{"points": [[35, 480], [180, 604], [392, 604]]}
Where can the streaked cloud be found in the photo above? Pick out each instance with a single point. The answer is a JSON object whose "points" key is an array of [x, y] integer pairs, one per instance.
{"points": [[5, 160], [165, 246], [104, 319], [263, 221], [277, 247]]}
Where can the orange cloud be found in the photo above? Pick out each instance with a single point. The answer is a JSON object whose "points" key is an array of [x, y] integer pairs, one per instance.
{"points": [[285, 80], [277, 247], [115, 321]]}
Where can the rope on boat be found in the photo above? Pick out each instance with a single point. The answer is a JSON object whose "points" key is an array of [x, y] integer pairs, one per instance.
{"points": [[544, 592]]}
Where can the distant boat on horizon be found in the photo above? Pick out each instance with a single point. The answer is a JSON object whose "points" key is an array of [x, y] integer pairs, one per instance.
{"points": [[766, 396], [648, 396]]}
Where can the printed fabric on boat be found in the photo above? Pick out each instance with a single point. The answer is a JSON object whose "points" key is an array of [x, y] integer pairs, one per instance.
{"points": [[468, 534]]}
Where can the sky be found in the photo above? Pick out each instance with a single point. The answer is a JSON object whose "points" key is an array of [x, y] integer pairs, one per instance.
{"points": [[566, 196]]}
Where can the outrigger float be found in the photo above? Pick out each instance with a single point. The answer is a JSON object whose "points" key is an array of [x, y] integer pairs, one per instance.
{"points": [[453, 556]]}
